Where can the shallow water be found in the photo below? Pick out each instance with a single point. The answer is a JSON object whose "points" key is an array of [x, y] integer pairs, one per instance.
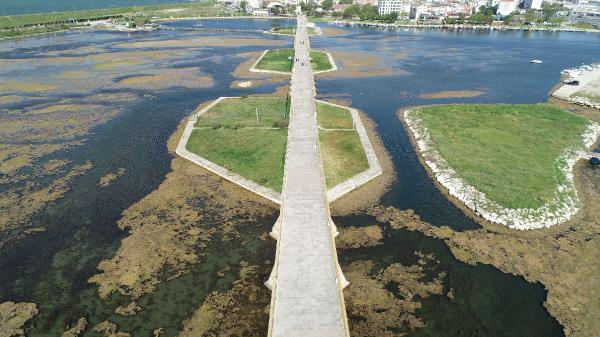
{"points": [[52, 268], [14, 7], [496, 63]]}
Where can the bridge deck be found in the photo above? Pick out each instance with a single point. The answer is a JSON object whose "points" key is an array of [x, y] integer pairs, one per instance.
{"points": [[306, 282]]}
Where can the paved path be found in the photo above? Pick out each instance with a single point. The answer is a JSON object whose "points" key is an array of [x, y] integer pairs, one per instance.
{"points": [[306, 281]]}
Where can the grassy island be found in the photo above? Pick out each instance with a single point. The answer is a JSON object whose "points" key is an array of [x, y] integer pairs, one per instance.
{"points": [[341, 149], [283, 60], [230, 135], [509, 152]]}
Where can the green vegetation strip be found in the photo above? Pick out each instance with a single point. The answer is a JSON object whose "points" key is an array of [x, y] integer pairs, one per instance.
{"points": [[254, 154], [30, 24], [341, 150], [229, 136], [508, 152], [234, 113], [333, 117], [283, 60], [203, 8], [343, 155]]}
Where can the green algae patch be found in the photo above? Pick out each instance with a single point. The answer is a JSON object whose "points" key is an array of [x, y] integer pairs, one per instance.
{"points": [[282, 60], [255, 154], [509, 152]]}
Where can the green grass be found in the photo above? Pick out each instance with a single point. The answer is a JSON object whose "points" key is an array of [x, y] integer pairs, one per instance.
{"points": [[343, 155], [508, 152], [342, 152], [254, 154], [17, 25], [228, 137], [319, 61], [241, 112], [333, 117], [279, 60], [580, 25]]}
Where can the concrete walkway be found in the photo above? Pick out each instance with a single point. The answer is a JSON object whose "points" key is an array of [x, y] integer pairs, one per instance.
{"points": [[306, 281]]}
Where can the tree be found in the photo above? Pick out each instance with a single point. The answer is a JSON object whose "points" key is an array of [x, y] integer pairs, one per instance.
{"points": [[484, 15], [508, 19], [351, 11], [390, 18], [346, 2], [243, 6], [531, 16], [549, 11], [478, 18], [327, 4], [368, 12]]}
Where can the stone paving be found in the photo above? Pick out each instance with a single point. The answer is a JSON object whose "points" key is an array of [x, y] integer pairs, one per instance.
{"points": [[306, 281]]}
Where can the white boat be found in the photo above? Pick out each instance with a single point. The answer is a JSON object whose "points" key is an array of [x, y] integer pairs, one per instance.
{"points": [[536, 61]]}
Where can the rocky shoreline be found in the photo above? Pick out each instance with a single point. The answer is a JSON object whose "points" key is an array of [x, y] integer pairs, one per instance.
{"points": [[563, 206]]}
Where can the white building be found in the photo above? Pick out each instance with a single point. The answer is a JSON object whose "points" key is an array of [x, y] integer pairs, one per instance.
{"points": [[506, 7], [533, 4], [391, 6]]}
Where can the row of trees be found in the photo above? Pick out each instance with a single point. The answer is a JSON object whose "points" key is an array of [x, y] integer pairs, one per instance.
{"points": [[365, 12]]}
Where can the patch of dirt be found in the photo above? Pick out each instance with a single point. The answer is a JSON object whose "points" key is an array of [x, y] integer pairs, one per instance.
{"points": [[19, 204], [452, 94], [563, 258], [369, 194], [171, 227], [374, 309], [77, 329], [110, 178], [333, 32], [360, 64], [128, 310], [219, 315], [109, 329], [201, 42], [355, 237], [165, 78], [13, 317], [27, 87]]}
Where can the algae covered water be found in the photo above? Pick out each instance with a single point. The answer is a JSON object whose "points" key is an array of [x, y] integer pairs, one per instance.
{"points": [[384, 71]]}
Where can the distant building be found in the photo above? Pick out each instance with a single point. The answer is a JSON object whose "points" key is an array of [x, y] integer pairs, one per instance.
{"points": [[260, 12], [393, 6], [533, 4], [506, 7], [366, 2]]}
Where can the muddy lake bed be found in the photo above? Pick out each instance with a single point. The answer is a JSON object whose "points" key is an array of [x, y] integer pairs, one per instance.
{"points": [[100, 174]]}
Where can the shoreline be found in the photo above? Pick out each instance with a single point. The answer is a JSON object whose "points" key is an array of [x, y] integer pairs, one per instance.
{"points": [[459, 27], [476, 205]]}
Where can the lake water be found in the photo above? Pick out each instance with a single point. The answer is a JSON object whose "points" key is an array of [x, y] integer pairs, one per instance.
{"points": [[52, 268], [14, 7]]}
